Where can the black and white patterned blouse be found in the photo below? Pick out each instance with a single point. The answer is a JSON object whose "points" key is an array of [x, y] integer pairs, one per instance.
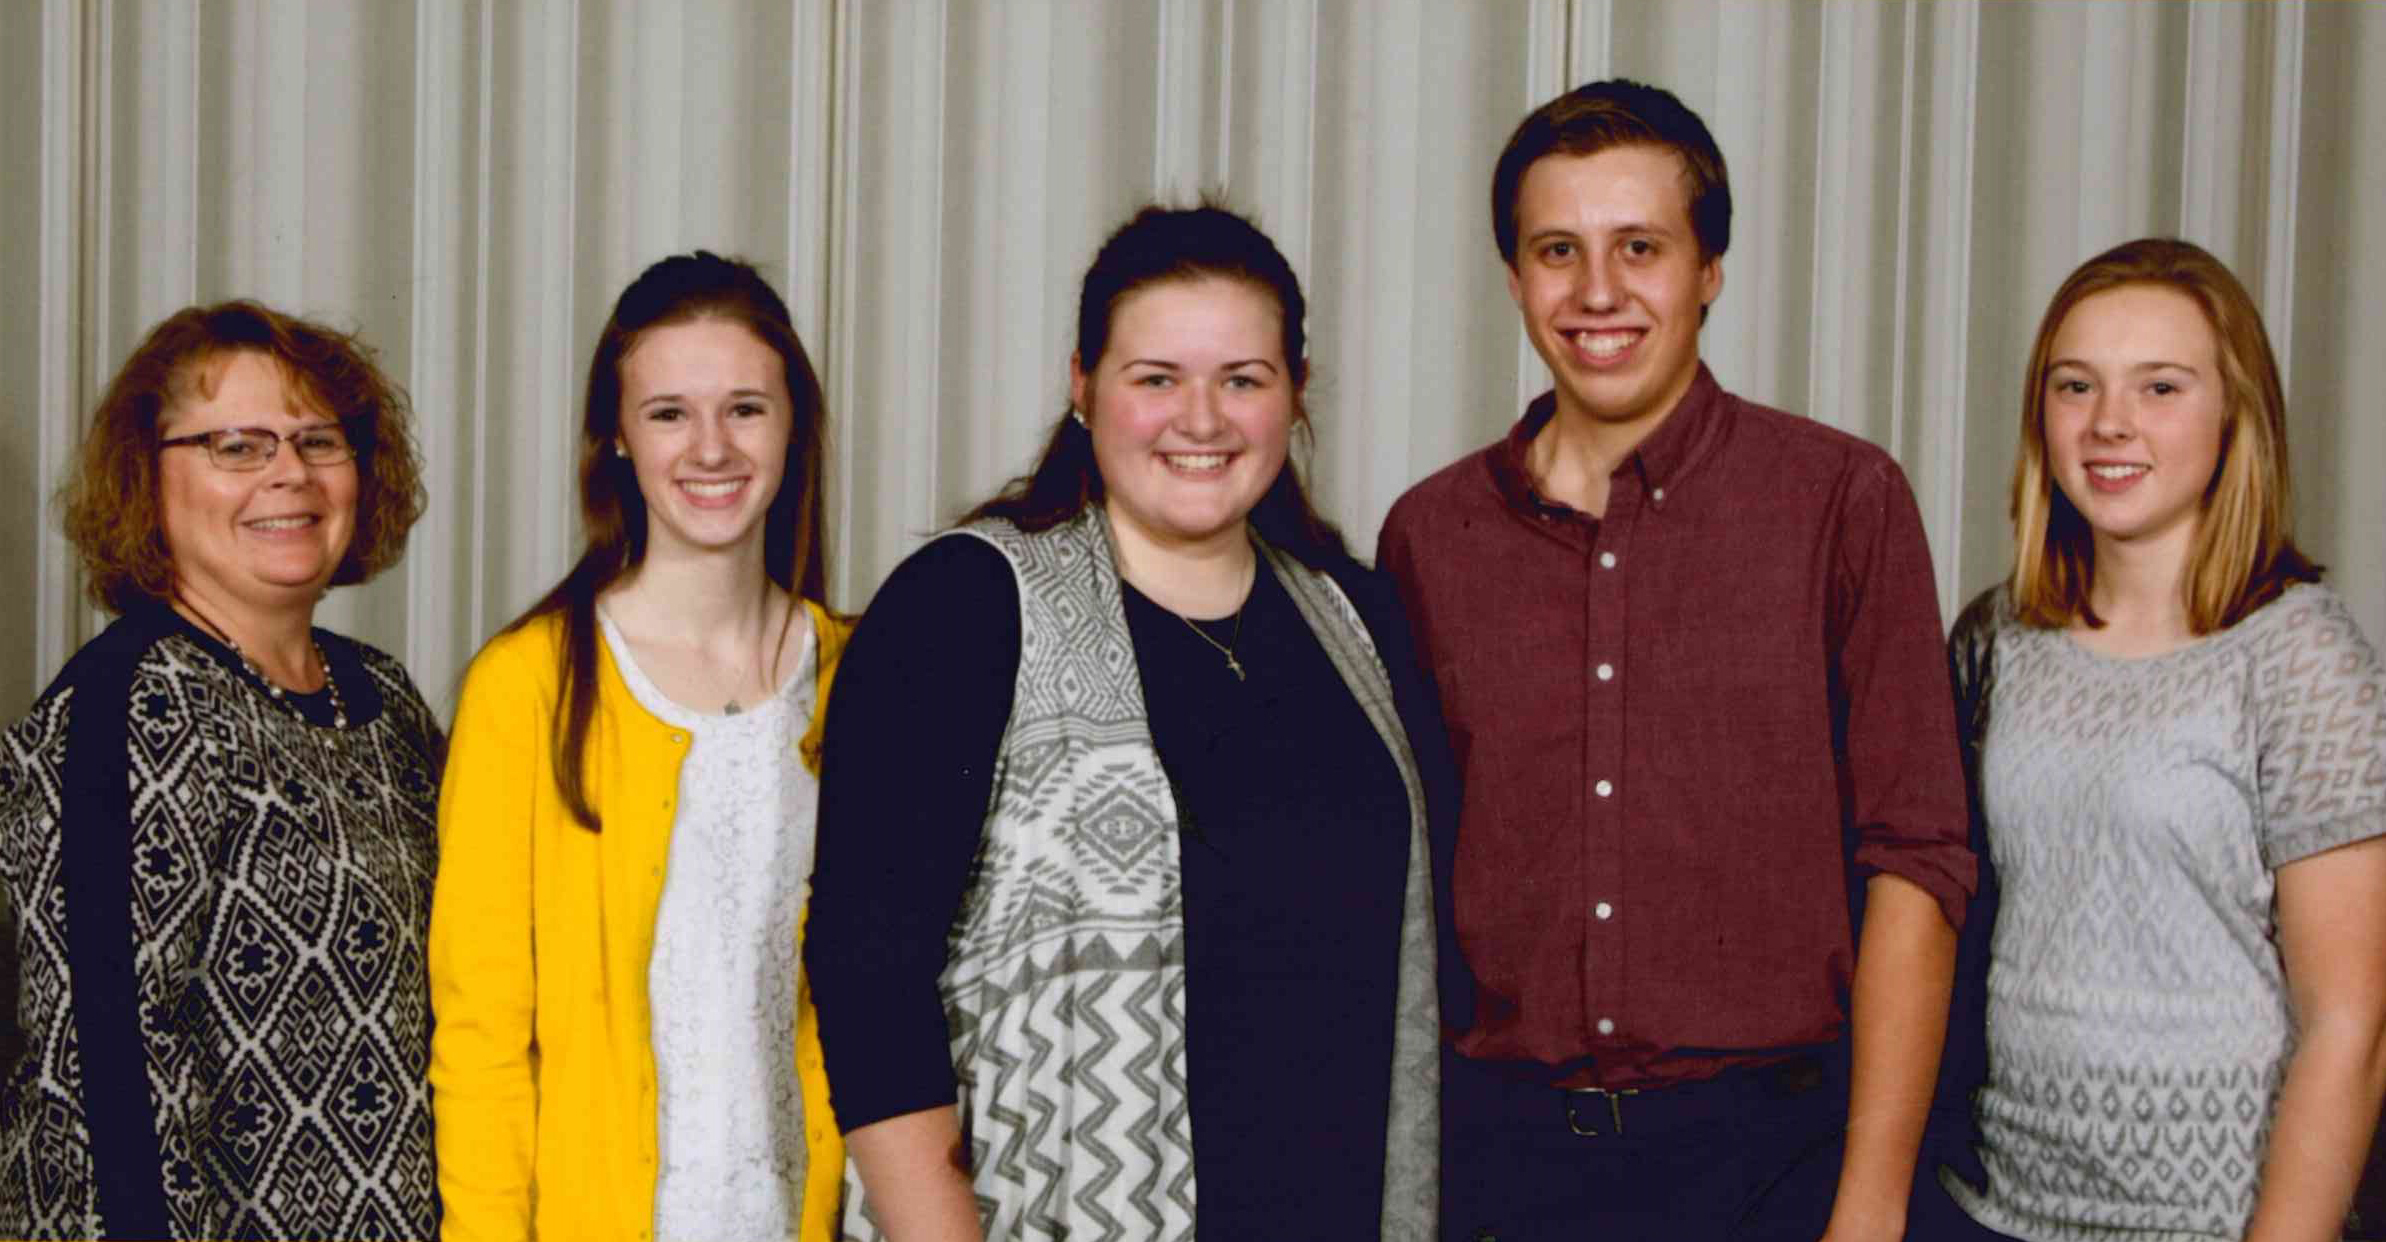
{"points": [[220, 909]]}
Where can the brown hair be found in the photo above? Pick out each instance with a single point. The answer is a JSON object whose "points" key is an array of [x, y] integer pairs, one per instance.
{"points": [[2244, 552], [1156, 246], [1616, 113], [110, 502], [679, 289]]}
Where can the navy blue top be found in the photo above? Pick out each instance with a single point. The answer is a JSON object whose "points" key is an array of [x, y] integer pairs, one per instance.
{"points": [[1294, 850]]}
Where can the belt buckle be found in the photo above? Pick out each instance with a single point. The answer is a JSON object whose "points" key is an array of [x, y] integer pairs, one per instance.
{"points": [[1575, 1098]]}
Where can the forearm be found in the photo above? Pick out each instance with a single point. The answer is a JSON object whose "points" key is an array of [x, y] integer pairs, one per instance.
{"points": [[2327, 1111], [916, 1176], [1903, 973]]}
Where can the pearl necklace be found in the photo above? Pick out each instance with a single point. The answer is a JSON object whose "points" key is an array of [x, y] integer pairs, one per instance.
{"points": [[339, 706]]}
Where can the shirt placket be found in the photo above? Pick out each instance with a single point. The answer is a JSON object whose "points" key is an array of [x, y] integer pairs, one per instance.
{"points": [[1607, 906]]}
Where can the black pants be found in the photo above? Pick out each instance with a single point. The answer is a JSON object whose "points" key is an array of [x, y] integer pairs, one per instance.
{"points": [[1750, 1157]]}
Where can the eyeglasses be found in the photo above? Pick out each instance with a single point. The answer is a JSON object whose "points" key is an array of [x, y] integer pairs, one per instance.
{"points": [[253, 448]]}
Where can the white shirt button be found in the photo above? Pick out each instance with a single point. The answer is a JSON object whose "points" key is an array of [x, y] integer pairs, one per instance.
{"points": [[1603, 789], [1607, 672], [1607, 560], [1604, 910], [679, 737], [1607, 1026], [1657, 494]]}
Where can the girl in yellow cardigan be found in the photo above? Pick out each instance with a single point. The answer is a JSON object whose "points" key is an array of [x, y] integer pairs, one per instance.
{"points": [[623, 1049]]}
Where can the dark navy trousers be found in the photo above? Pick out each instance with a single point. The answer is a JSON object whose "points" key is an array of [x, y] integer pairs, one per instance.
{"points": [[1752, 1156]]}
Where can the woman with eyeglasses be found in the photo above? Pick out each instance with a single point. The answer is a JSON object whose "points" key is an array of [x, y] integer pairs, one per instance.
{"points": [[216, 825], [624, 1050]]}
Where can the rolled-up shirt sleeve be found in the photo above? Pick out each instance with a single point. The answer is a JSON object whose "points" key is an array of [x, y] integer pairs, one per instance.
{"points": [[923, 698], [1898, 748]]}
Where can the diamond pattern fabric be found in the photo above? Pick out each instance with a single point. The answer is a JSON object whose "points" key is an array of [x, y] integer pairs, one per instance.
{"points": [[279, 893], [2139, 1022]]}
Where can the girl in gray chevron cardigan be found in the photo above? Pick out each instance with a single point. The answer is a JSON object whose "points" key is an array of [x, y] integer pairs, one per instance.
{"points": [[1131, 935]]}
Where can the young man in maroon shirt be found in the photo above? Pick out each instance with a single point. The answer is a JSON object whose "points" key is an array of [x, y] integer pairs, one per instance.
{"points": [[1712, 856]]}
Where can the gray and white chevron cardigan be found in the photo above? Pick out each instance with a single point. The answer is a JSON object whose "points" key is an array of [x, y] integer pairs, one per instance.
{"points": [[1065, 982]]}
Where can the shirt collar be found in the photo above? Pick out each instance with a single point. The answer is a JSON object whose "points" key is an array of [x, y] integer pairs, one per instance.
{"points": [[1660, 461]]}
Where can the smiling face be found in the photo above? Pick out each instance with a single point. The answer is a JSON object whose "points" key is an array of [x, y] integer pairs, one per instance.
{"points": [[1191, 407], [246, 542], [1610, 282], [705, 419], [2135, 407]]}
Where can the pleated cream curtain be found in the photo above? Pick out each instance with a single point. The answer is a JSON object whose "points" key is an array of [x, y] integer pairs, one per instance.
{"points": [[470, 182]]}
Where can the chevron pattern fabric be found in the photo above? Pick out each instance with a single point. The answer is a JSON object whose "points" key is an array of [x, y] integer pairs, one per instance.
{"points": [[1065, 987], [2139, 1019], [1065, 983]]}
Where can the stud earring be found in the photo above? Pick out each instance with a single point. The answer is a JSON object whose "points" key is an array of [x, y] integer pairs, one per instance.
{"points": [[1079, 415], [619, 450]]}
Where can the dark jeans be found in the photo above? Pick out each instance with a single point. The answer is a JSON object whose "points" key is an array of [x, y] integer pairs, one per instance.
{"points": [[1752, 1156]]}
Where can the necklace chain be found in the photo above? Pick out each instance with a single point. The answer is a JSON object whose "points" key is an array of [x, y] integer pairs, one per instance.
{"points": [[1234, 639], [713, 672], [1224, 648], [731, 708], [339, 705]]}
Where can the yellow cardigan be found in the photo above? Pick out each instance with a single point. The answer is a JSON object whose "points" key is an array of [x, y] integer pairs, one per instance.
{"points": [[542, 1065]]}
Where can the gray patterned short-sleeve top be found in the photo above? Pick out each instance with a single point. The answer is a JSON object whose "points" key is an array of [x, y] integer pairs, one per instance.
{"points": [[2138, 1014]]}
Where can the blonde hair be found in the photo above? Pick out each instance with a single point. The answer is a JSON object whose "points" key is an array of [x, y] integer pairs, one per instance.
{"points": [[2244, 552]]}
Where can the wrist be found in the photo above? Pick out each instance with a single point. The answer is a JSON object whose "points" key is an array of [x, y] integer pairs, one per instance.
{"points": [[1860, 1217], [1864, 1228]]}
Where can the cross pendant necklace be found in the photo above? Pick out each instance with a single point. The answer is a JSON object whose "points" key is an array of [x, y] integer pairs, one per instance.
{"points": [[1224, 648]]}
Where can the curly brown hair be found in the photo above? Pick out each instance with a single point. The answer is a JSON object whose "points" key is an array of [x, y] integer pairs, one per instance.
{"points": [[110, 502]]}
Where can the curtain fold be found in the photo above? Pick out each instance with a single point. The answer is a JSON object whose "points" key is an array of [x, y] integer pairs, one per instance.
{"points": [[470, 182]]}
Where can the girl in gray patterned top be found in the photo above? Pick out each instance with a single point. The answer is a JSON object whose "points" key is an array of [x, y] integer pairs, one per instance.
{"points": [[2179, 738], [216, 825]]}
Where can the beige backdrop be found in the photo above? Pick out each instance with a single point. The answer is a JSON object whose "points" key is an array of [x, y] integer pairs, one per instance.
{"points": [[472, 181]]}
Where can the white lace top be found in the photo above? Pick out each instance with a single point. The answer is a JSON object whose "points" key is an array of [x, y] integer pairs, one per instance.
{"points": [[721, 983]]}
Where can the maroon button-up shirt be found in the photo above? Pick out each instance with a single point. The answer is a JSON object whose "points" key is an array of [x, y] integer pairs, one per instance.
{"points": [[1685, 728]]}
